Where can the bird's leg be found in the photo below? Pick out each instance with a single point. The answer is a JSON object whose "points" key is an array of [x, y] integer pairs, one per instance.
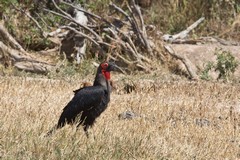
{"points": [[85, 128]]}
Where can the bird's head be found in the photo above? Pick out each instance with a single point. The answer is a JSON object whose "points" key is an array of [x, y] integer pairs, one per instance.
{"points": [[107, 67]]}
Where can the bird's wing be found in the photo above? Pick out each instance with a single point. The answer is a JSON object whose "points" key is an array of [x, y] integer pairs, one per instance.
{"points": [[85, 99], [77, 90]]}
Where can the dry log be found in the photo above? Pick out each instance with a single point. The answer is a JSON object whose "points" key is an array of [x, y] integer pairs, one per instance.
{"points": [[183, 34], [8, 39], [24, 62], [32, 67], [185, 61]]}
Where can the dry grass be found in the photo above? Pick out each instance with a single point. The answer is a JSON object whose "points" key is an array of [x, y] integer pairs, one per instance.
{"points": [[180, 120]]}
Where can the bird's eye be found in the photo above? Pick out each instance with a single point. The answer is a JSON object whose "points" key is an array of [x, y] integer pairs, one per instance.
{"points": [[104, 65]]}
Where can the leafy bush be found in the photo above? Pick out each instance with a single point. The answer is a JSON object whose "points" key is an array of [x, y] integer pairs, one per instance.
{"points": [[205, 73], [226, 64]]}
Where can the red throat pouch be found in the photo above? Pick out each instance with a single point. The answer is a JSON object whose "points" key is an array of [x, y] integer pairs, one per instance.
{"points": [[106, 75]]}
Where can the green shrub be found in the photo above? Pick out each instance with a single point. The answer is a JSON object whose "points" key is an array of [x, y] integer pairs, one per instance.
{"points": [[205, 73], [226, 64]]}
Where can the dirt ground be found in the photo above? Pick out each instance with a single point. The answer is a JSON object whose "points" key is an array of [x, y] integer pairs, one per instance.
{"points": [[201, 54]]}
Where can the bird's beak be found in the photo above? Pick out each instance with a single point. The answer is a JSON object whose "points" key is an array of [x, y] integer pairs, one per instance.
{"points": [[116, 68]]}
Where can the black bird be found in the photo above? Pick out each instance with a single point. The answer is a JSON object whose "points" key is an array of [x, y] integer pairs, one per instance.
{"points": [[88, 102]]}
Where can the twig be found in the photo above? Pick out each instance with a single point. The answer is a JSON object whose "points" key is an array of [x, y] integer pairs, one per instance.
{"points": [[42, 20], [121, 11], [125, 45]]}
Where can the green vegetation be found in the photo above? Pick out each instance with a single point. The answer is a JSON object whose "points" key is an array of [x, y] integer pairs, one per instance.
{"points": [[5, 4], [226, 64], [174, 16], [169, 17], [205, 73]]}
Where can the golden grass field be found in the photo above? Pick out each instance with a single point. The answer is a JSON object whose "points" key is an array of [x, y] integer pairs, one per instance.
{"points": [[179, 119]]}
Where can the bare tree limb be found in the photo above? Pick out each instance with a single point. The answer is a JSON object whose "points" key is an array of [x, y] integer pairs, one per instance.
{"points": [[135, 26], [143, 32], [18, 55], [138, 10], [9, 39], [183, 34], [142, 36], [131, 20], [185, 61], [23, 62]]}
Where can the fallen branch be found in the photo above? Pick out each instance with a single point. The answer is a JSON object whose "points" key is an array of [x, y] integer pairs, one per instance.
{"points": [[24, 62], [8, 39], [32, 67], [73, 20], [183, 34], [185, 61]]}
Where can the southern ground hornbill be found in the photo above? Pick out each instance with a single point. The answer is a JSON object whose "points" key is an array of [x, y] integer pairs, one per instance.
{"points": [[89, 102]]}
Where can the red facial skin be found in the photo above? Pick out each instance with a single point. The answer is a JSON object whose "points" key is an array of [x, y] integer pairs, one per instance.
{"points": [[104, 72]]}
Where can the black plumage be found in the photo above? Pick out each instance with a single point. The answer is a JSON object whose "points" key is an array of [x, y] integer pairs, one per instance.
{"points": [[88, 102]]}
